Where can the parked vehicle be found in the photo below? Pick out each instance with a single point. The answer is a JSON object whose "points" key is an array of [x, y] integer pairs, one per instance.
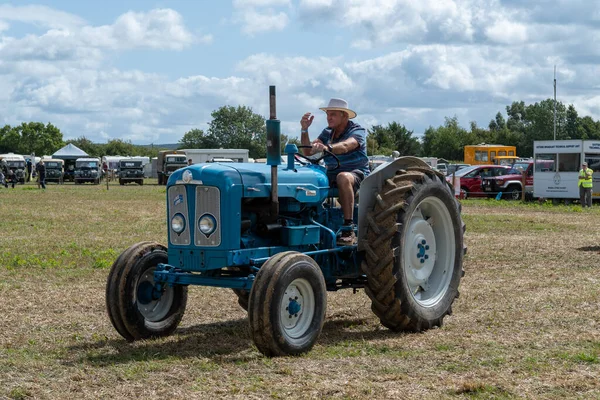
{"points": [[470, 178], [505, 160], [452, 168], [485, 154], [168, 162], [213, 155], [511, 183], [443, 168], [54, 170], [16, 163], [377, 160], [131, 171], [87, 169]]}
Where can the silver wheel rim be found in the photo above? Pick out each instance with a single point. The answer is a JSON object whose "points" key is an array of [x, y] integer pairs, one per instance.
{"points": [[429, 252], [297, 309], [155, 310]]}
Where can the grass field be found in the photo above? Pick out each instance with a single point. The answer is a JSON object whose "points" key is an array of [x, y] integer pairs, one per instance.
{"points": [[527, 323]]}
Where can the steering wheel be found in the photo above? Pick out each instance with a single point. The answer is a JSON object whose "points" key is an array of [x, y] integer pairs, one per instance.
{"points": [[326, 153]]}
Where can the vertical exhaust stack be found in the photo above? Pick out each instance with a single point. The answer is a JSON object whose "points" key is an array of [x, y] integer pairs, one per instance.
{"points": [[273, 149]]}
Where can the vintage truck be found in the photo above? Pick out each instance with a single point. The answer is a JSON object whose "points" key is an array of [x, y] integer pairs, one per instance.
{"points": [[131, 171], [169, 161]]}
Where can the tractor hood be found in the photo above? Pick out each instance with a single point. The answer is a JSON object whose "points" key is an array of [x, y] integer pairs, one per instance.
{"points": [[307, 184]]}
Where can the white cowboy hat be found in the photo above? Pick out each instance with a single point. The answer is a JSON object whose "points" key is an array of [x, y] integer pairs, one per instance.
{"points": [[339, 105]]}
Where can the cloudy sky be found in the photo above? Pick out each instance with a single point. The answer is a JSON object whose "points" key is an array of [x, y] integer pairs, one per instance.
{"points": [[150, 70]]}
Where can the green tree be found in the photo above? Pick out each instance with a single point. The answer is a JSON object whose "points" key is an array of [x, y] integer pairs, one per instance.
{"points": [[31, 137], [447, 141], [498, 123], [516, 117], [572, 124], [118, 147], [86, 145], [589, 129], [427, 141], [395, 137], [539, 124], [239, 128], [197, 139]]}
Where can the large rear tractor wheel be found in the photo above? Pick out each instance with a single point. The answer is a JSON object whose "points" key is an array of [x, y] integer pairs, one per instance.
{"points": [[287, 305], [136, 308], [414, 251]]}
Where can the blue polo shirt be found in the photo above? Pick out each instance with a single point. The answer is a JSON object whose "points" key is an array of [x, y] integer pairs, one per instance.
{"points": [[355, 159]]}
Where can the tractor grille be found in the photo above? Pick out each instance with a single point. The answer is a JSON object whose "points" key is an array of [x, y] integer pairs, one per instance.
{"points": [[208, 201], [178, 204]]}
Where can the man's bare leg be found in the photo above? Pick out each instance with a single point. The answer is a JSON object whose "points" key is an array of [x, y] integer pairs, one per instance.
{"points": [[345, 184]]}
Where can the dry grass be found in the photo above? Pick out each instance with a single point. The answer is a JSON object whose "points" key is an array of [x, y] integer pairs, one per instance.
{"points": [[526, 324]]}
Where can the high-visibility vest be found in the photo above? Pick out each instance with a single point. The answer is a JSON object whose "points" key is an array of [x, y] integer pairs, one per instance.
{"points": [[587, 181]]}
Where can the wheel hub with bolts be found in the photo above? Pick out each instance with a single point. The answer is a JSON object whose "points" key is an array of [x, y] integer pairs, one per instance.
{"points": [[420, 252], [291, 306], [154, 304]]}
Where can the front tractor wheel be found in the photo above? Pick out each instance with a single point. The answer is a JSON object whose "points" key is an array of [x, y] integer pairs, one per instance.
{"points": [[287, 305], [414, 251], [137, 308]]}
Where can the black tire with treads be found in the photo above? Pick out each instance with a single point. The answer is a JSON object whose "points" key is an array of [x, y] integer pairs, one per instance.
{"points": [[414, 200], [288, 283], [130, 279], [112, 292]]}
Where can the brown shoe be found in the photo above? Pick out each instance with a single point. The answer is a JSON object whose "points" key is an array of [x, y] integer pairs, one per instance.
{"points": [[346, 238]]}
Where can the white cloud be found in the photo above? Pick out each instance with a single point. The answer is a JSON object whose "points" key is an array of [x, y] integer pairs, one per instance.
{"points": [[260, 3], [40, 15], [259, 16], [507, 32], [256, 22], [423, 61], [339, 81], [392, 21], [160, 28]]}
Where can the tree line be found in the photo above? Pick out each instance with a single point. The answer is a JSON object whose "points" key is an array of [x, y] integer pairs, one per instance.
{"points": [[240, 128], [44, 140], [524, 124]]}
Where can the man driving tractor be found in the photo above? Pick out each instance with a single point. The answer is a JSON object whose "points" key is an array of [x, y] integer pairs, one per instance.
{"points": [[347, 140]]}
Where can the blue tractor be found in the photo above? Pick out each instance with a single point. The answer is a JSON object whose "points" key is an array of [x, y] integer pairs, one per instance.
{"points": [[268, 232]]}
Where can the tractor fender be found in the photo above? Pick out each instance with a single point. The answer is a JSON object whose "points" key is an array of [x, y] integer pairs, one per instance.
{"points": [[372, 185]]}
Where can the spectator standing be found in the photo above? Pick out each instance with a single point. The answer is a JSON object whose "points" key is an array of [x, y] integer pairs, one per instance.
{"points": [[585, 183], [29, 169], [41, 172], [3, 170]]}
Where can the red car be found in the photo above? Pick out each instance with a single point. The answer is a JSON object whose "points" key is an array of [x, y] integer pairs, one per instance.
{"points": [[471, 178]]}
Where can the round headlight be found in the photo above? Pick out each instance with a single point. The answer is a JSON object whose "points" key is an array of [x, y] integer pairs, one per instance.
{"points": [[207, 224], [187, 176], [178, 223]]}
